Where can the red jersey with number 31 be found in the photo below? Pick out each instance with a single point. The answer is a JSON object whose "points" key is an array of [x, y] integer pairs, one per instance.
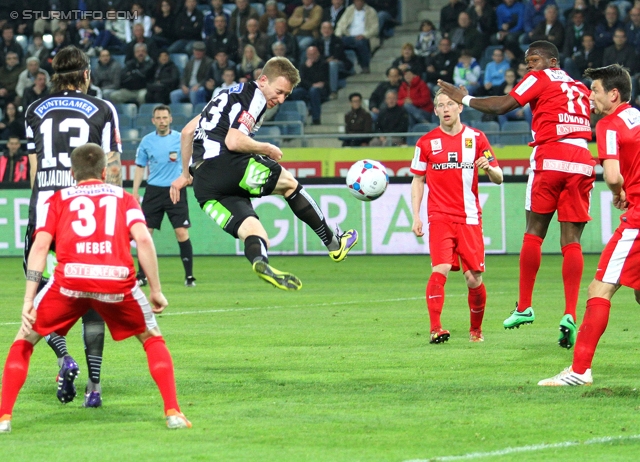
{"points": [[90, 225], [448, 161], [560, 105]]}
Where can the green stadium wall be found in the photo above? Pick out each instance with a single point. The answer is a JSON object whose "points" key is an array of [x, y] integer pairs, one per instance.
{"points": [[384, 225]]}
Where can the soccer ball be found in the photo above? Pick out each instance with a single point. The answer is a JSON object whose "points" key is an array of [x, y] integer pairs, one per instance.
{"points": [[367, 180]]}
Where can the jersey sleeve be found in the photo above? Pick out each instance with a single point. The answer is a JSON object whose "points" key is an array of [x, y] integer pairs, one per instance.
{"points": [[111, 141], [48, 215], [530, 87], [31, 144], [142, 156], [419, 162], [484, 149], [134, 212], [608, 141], [244, 114]]}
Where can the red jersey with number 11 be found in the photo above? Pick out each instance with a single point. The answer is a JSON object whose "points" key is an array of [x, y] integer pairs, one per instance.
{"points": [[452, 176], [90, 225], [559, 104]]}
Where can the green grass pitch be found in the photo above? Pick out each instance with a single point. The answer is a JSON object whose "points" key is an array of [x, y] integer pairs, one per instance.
{"points": [[339, 371]]}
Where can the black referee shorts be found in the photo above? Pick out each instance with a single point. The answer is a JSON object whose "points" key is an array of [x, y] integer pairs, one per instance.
{"points": [[157, 201]]}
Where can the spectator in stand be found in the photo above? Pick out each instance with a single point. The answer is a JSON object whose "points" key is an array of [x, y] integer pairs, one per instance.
{"points": [[36, 91], [621, 52], [428, 39], [193, 77], [215, 9], [606, 28], [59, 42], [28, 76], [240, 16], [221, 39], [588, 57], [551, 29], [483, 17], [494, 73], [37, 49], [215, 76], [163, 26], [254, 37], [510, 19], [467, 72], [591, 14], [9, 75], [519, 113], [165, 79], [188, 28], [441, 64], [268, 19], [332, 51], [392, 119], [305, 25], [14, 163], [574, 32], [534, 14], [106, 74], [409, 60], [87, 37], [139, 16], [449, 16], [387, 13], [289, 41], [357, 120], [376, 100], [41, 26], [415, 97], [359, 31], [279, 49], [139, 37], [134, 77], [9, 44], [467, 37], [228, 81], [632, 28], [623, 7], [12, 123], [334, 12], [314, 83], [116, 27], [70, 35], [250, 62]]}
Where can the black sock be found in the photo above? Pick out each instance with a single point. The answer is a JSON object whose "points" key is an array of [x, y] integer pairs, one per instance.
{"points": [[306, 209], [93, 335], [186, 255], [58, 344], [255, 247]]}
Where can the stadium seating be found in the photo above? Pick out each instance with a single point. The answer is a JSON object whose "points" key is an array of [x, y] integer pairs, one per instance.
{"points": [[146, 109], [197, 109], [128, 109], [179, 121], [469, 114], [118, 58], [421, 128], [515, 132], [296, 106], [180, 60], [47, 41], [294, 122], [125, 121], [130, 134], [490, 129], [185, 109], [145, 129], [22, 40], [270, 134]]}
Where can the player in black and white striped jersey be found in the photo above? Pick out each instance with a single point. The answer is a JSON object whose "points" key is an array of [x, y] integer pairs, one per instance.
{"points": [[55, 125]]}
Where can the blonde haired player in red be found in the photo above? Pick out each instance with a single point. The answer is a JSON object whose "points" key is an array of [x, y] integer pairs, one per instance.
{"points": [[561, 176], [618, 135], [91, 224], [447, 159]]}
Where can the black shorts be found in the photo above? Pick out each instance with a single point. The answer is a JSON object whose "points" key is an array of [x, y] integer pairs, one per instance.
{"points": [[225, 185], [157, 201]]}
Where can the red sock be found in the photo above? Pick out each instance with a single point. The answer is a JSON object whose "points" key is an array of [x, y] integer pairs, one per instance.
{"points": [[435, 298], [477, 300], [161, 368], [530, 256], [593, 326], [15, 374], [572, 266]]}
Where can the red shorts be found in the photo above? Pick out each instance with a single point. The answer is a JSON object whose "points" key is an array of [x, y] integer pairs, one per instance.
{"points": [[563, 185], [620, 259], [450, 243], [58, 309]]}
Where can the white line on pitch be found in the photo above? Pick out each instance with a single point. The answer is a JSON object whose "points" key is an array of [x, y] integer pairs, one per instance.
{"points": [[531, 448]]}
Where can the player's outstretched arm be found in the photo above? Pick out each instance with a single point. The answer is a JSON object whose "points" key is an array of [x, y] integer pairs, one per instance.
{"points": [[114, 169], [35, 266], [417, 192], [239, 142], [186, 151], [497, 105], [149, 262]]}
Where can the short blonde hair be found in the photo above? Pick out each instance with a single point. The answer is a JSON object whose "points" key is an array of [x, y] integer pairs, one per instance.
{"points": [[281, 67]]}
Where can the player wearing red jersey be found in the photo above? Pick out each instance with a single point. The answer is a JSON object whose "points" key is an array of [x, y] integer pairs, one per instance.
{"points": [[618, 135], [447, 159], [561, 176], [91, 224]]}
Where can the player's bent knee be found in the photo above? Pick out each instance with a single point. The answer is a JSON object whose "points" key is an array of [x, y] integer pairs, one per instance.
{"points": [[251, 226], [147, 334], [287, 183], [599, 289], [32, 337]]}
